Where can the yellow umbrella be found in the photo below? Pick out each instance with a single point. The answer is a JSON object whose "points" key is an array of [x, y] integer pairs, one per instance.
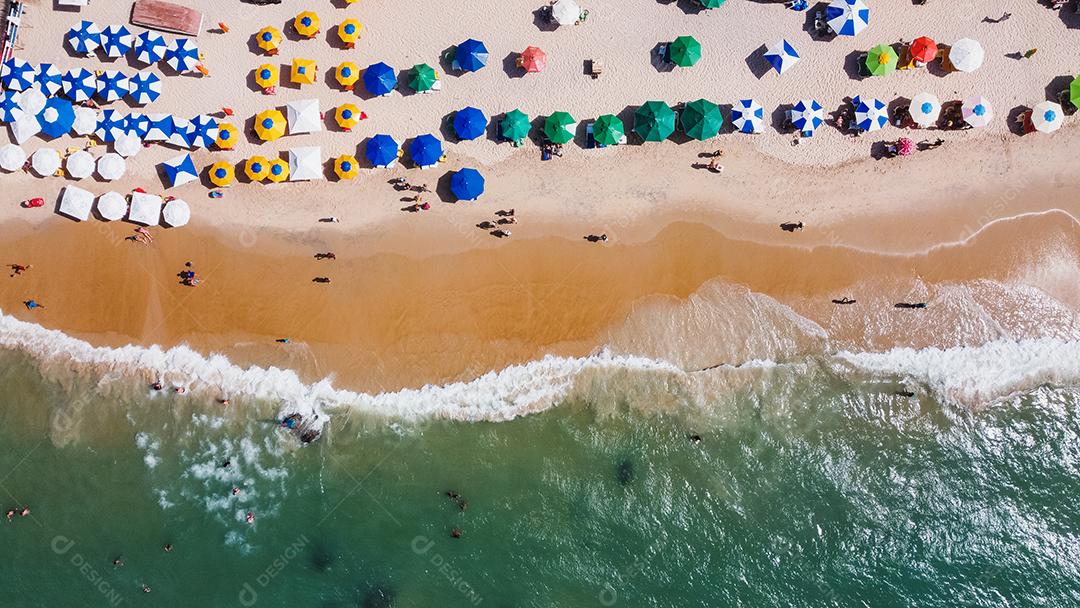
{"points": [[278, 171], [349, 31], [269, 38], [351, 1], [347, 74], [347, 116], [307, 24], [266, 75], [227, 136], [221, 173], [256, 168], [345, 167], [304, 71], [269, 125]]}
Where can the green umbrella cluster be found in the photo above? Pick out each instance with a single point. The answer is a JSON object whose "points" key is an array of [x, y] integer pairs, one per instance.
{"points": [[654, 121], [515, 125], [685, 51], [423, 78], [881, 60], [559, 128], [701, 119], [608, 130], [1074, 92]]}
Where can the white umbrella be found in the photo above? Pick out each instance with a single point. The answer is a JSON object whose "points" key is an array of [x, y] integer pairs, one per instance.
{"points": [[304, 116], [176, 213], [32, 101], [111, 206], [966, 55], [1046, 116], [79, 165], [977, 111], [305, 164], [111, 166], [924, 109], [127, 145], [565, 12], [24, 128], [86, 120], [45, 161], [145, 209], [12, 157], [76, 203]]}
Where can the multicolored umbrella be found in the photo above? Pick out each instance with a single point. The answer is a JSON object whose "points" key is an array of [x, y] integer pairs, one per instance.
{"points": [[12, 157], [277, 171], [180, 170], [382, 150], [701, 119], [56, 118], [881, 60], [266, 75], [870, 113], [256, 168], [807, 116], [144, 87], [162, 127], [1047, 116], [847, 17], [349, 31], [559, 127], [515, 125], [203, 131], [565, 12], [84, 38], [467, 184], [781, 55], [17, 74], [471, 55], [304, 71], [923, 49], [346, 167], [424, 78], [747, 116], [150, 47], [111, 166], [182, 55], [654, 121], [966, 55], [608, 130], [116, 41], [10, 111], [112, 85], [977, 111], [426, 151], [347, 116], [269, 125], [347, 74], [221, 173], [685, 51], [49, 79], [268, 38], [380, 79], [110, 126], [924, 109], [79, 84], [306, 24], [469, 123], [227, 136], [533, 59]]}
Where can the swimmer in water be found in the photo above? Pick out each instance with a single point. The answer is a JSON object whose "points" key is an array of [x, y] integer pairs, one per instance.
{"points": [[250, 517], [236, 491], [10, 514], [118, 561], [168, 548], [25, 511], [156, 386]]}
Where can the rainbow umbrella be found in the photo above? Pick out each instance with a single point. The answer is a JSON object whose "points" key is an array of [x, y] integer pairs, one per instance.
{"points": [[304, 71], [226, 137], [347, 116], [533, 59], [701, 119], [469, 123], [1047, 116], [380, 79], [347, 74], [221, 173], [559, 127], [426, 151], [608, 130], [654, 121], [977, 111], [471, 55], [923, 49], [515, 125], [467, 184], [268, 38], [382, 150], [349, 31], [277, 171], [182, 55], [266, 75], [685, 51], [269, 125], [881, 60], [84, 38], [424, 78], [17, 74], [79, 84], [256, 168], [116, 41], [346, 167], [149, 47], [306, 24], [49, 79]]}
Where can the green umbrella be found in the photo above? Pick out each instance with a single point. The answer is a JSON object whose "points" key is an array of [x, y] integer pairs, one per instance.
{"points": [[685, 51], [710, 3], [701, 119], [423, 78], [654, 121], [559, 128], [1074, 92], [515, 125], [608, 130], [881, 60]]}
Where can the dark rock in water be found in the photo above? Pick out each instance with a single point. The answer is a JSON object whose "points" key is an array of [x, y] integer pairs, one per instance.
{"points": [[904, 393], [379, 596], [624, 471]]}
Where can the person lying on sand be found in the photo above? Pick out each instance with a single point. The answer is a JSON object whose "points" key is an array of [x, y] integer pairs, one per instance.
{"points": [[596, 238], [321, 280], [500, 233], [17, 269], [329, 255], [910, 305], [844, 301], [791, 226], [486, 225], [505, 213]]}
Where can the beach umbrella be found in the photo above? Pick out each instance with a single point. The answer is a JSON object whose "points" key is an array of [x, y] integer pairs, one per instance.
{"points": [[966, 55], [24, 128], [137, 124], [176, 213], [471, 55], [533, 59], [56, 118], [86, 120], [847, 17], [31, 101], [305, 164], [423, 78], [221, 173], [1047, 116], [426, 151], [257, 168], [469, 123], [227, 136], [923, 49], [266, 75], [781, 55], [565, 12], [685, 51], [608, 130], [881, 60], [306, 24], [807, 115], [747, 116], [127, 145], [559, 127], [382, 150], [180, 170], [710, 3], [349, 31], [379, 79], [905, 146], [76, 203], [84, 38], [49, 79], [149, 47], [45, 161], [111, 166], [347, 116], [654, 121], [924, 109], [515, 125], [145, 209], [347, 74], [17, 74], [278, 170], [345, 167], [162, 127], [10, 111], [111, 206], [181, 135], [1074, 92], [79, 165], [182, 54], [269, 125], [304, 71], [144, 87], [110, 126], [268, 38], [203, 131], [12, 157], [701, 119], [79, 84], [467, 184], [304, 116], [116, 41], [112, 85], [870, 113]]}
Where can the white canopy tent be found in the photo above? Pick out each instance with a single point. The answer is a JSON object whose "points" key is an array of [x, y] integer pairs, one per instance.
{"points": [[24, 128], [76, 203], [145, 209], [111, 206], [304, 116], [305, 164]]}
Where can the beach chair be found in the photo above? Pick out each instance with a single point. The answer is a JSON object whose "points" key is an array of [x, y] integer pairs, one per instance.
{"points": [[590, 141], [596, 67]]}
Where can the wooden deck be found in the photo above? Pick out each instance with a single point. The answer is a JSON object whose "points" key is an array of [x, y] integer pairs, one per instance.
{"points": [[166, 16]]}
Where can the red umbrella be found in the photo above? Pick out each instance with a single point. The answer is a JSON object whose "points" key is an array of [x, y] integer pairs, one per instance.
{"points": [[923, 49], [533, 59], [905, 146]]}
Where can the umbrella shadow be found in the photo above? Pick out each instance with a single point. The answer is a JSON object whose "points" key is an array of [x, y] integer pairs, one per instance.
{"points": [[443, 190], [937, 66], [690, 7], [253, 44], [64, 8], [897, 108], [249, 131], [1015, 120], [289, 32], [855, 65], [626, 115], [779, 119], [285, 77], [493, 132], [446, 128], [252, 85], [814, 15], [726, 128], [658, 57], [536, 131], [1058, 90], [1071, 18], [543, 21], [403, 77], [446, 61], [757, 63], [510, 66]]}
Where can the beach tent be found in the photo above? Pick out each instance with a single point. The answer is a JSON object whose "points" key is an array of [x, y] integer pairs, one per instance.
{"points": [[347, 74], [24, 128], [608, 130], [181, 135], [269, 125], [203, 131], [382, 150], [116, 41], [127, 145], [533, 60], [144, 88], [747, 116], [32, 100], [349, 31], [781, 55], [1047, 116], [870, 113], [923, 49], [426, 151], [111, 166], [379, 79], [182, 55], [347, 116], [807, 116], [469, 123], [17, 74], [86, 120], [924, 109], [49, 79], [515, 126], [12, 157], [162, 127], [9, 106], [268, 38], [471, 55], [565, 12], [256, 168], [112, 85], [847, 17], [277, 171], [345, 167], [110, 126], [305, 163], [304, 116], [84, 38], [881, 60], [79, 165], [180, 170], [79, 84], [966, 55], [266, 75], [701, 119], [56, 118], [304, 71], [306, 24], [137, 124], [112, 206], [685, 51], [227, 136], [559, 127], [424, 78], [467, 184], [145, 209], [45, 161], [149, 47], [76, 203], [654, 121], [176, 213], [221, 173]]}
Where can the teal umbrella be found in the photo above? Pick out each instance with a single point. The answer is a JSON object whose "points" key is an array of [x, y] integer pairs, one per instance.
{"points": [[701, 119], [559, 128], [654, 121], [515, 125], [608, 130], [685, 51]]}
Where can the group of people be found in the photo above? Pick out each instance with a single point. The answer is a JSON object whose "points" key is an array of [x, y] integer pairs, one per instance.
{"points": [[21, 511], [503, 217], [188, 276]]}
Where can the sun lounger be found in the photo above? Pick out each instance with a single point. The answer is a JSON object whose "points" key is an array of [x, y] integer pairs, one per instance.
{"points": [[596, 67]]}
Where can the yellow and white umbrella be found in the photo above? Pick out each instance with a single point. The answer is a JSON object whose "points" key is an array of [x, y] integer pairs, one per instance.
{"points": [[269, 125]]}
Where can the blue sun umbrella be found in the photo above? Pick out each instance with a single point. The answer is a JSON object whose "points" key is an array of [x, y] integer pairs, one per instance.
{"points": [[467, 184], [180, 170], [747, 116], [181, 135], [110, 126], [426, 150], [161, 128], [112, 85], [847, 17], [84, 38], [471, 55], [17, 74], [49, 79], [382, 150], [116, 41], [149, 48], [807, 116], [9, 107], [137, 124], [79, 84], [145, 87], [203, 131], [380, 79], [56, 118], [782, 56], [870, 114], [182, 55], [469, 123]]}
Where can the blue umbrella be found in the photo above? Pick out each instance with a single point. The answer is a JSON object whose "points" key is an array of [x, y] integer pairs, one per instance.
{"points": [[471, 55], [180, 170], [57, 117], [782, 56], [110, 126], [79, 84], [380, 79], [162, 127], [112, 85], [150, 47], [116, 41], [382, 150], [870, 114], [182, 55], [747, 116], [137, 124], [847, 17], [145, 87], [426, 150], [469, 123], [84, 38], [203, 131], [807, 116], [17, 75], [467, 184], [49, 79], [9, 107], [182, 133]]}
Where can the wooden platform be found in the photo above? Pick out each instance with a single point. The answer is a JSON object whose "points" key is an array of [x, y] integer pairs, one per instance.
{"points": [[166, 16]]}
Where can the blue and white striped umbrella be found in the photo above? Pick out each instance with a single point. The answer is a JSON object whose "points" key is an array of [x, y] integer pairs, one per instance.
{"points": [[84, 38], [807, 116], [110, 126], [112, 85], [137, 124], [56, 118], [10, 111], [49, 79], [870, 114], [116, 40], [79, 84], [203, 131], [161, 128], [847, 17], [181, 135], [144, 87], [149, 48], [180, 170], [782, 55], [182, 55], [17, 74], [747, 116]]}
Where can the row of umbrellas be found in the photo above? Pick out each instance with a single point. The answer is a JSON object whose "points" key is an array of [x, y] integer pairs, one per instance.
{"points": [[181, 54], [78, 165], [145, 209], [965, 55], [81, 84]]}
